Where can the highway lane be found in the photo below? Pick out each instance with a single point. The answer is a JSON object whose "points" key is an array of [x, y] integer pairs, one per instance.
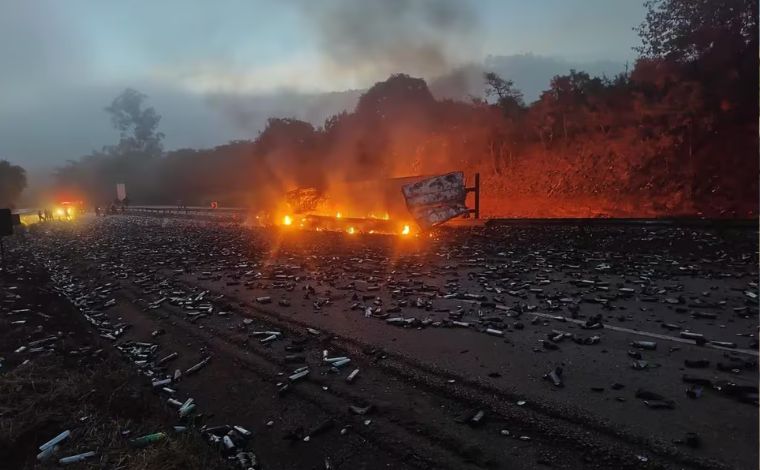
{"points": [[431, 300]]}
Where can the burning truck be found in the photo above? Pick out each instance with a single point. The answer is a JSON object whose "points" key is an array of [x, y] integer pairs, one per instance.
{"points": [[402, 206]]}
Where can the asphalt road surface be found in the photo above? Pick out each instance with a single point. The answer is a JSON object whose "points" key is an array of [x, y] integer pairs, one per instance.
{"points": [[504, 347]]}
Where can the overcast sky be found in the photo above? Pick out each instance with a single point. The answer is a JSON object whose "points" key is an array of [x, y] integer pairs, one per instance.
{"points": [[62, 61]]}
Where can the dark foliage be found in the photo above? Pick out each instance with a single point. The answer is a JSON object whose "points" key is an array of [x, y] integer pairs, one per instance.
{"points": [[12, 182]]}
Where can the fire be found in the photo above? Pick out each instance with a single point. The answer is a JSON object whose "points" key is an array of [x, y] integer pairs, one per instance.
{"points": [[341, 222], [350, 219]]}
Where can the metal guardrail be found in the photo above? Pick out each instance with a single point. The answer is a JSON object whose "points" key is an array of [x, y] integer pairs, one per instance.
{"points": [[188, 210], [675, 221], [602, 221], [227, 214]]}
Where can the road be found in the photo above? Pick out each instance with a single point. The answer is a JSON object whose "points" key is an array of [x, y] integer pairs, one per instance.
{"points": [[481, 347]]}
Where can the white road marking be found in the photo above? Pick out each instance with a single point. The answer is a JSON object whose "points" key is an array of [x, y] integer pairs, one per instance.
{"points": [[749, 352]]}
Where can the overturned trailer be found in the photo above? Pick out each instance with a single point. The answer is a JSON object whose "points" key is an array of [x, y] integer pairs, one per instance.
{"points": [[384, 206], [435, 200]]}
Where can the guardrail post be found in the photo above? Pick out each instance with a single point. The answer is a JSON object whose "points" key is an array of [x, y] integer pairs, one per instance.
{"points": [[475, 189], [477, 195]]}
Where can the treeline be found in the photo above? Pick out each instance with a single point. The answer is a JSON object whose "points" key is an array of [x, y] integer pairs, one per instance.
{"points": [[675, 135], [12, 183]]}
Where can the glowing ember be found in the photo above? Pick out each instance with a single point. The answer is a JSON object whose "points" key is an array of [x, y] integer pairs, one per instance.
{"points": [[346, 220]]}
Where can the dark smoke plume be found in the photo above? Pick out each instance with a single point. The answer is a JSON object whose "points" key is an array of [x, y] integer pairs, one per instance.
{"points": [[372, 39], [367, 41]]}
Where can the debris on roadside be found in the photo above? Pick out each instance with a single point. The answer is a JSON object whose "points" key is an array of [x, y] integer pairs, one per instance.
{"points": [[555, 377]]}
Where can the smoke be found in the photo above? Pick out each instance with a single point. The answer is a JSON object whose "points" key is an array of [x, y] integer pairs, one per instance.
{"points": [[249, 113], [370, 40], [363, 42], [461, 83]]}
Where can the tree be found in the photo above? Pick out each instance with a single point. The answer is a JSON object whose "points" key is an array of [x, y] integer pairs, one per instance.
{"points": [[686, 30], [294, 146], [565, 108], [507, 137], [12, 182], [385, 133], [509, 98], [700, 58], [399, 97], [137, 126], [713, 42]]}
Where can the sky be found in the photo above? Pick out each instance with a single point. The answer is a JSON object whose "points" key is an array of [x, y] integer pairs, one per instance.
{"points": [[216, 70]]}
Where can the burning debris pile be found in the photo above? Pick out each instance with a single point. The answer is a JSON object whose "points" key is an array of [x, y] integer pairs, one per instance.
{"points": [[305, 200]]}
